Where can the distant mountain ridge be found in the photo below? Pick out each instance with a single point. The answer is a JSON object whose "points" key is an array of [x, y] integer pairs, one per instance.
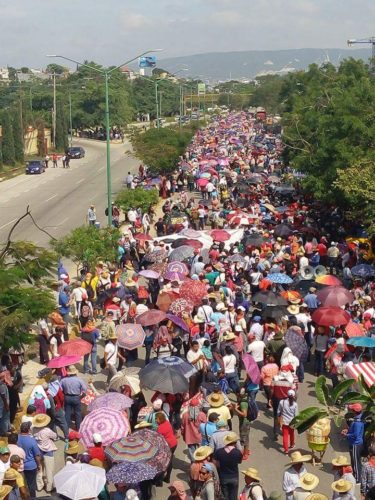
{"points": [[248, 64]]}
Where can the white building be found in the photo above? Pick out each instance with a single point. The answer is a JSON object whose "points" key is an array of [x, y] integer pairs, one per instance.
{"points": [[4, 74]]}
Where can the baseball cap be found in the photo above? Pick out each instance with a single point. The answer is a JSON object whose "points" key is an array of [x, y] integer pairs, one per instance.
{"points": [[357, 407], [4, 450], [97, 438], [257, 318], [291, 393]]}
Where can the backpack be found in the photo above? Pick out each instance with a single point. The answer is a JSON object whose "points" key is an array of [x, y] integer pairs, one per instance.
{"points": [[90, 290], [39, 405], [249, 495], [252, 410]]}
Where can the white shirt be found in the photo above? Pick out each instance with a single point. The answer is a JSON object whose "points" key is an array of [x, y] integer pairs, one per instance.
{"points": [[111, 350], [140, 309], [192, 356], [3, 467], [77, 293], [205, 312], [230, 362], [257, 330], [303, 262], [132, 215], [291, 480], [304, 319], [256, 349], [210, 187]]}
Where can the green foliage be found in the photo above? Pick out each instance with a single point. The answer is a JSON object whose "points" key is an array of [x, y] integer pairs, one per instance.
{"points": [[137, 198], [55, 68], [160, 149], [321, 391], [329, 130], [307, 417], [7, 143], [88, 244], [338, 391], [61, 128], [25, 296], [267, 93], [18, 134]]}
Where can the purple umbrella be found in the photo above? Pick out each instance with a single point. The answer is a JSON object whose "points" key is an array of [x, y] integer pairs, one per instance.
{"points": [[131, 473], [114, 400], [148, 273], [177, 267], [178, 321], [251, 368], [174, 276]]}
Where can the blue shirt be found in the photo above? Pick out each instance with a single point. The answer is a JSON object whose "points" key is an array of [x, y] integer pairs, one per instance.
{"points": [[356, 431], [63, 302], [73, 386], [207, 430], [31, 449], [311, 300]]}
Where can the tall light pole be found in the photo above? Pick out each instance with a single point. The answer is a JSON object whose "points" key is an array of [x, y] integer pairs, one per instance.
{"points": [[106, 73]]}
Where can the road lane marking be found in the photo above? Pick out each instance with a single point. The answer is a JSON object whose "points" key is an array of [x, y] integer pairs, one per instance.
{"points": [[7, 224], [63, 221], [81, 180], [51, 198], [101, 169]]}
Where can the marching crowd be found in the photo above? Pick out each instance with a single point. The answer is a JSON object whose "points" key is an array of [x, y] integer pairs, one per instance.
{"points": [[248, 283]]}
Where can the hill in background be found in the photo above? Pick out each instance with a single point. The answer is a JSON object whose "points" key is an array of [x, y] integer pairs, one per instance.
{"points": [[216, 66]]}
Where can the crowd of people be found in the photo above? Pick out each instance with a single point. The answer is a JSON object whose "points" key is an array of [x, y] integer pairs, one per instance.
{"points": [[248, 283]]}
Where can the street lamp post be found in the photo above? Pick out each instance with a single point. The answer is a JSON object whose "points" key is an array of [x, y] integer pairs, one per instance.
{"points": [[106, 73]]}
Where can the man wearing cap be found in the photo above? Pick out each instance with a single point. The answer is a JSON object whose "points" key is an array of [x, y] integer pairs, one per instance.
{"points": [[208, 428], [293, 474], [4, 461], [354, 435], [253, 489], [73, 387], [228, 459]]}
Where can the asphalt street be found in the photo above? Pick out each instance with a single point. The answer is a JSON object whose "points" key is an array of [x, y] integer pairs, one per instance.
{"points": [[59, 198]]}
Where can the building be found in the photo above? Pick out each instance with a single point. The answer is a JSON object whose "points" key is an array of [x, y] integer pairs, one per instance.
{"points": [[4, 75]]}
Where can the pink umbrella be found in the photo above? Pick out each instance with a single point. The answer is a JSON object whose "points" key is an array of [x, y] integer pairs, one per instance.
{"points": [[130, 336], [354, 329], [62, 361], [114, 400], [75, 347], [251, 368], [174, 276], [219, 235], [180, 306], [177, 267], [109, 423], [178, 321], [335, 296], [202, 182], [148, 273], [193, 290], [151, 317]]}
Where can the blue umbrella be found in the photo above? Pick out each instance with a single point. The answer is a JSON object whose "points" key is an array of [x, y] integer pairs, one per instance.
{"points": [[362, 342], [363, 270], [280, 278]]}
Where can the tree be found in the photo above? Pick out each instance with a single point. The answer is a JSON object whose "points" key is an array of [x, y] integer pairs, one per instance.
{"points": [[1, 156], [7, 143], [39, 123], [61, 128], [25, 293], [18, 134], [88, 244], [137, 198], [55, 68]]}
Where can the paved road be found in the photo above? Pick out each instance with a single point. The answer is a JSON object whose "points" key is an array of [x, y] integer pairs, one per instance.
{"points": [[59, 198]]}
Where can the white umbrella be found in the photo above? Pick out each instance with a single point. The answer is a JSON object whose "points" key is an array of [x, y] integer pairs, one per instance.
{"points": [[79, 481]]}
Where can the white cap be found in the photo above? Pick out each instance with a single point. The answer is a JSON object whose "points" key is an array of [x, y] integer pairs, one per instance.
{"points": [[97, 438], [291, 393]]}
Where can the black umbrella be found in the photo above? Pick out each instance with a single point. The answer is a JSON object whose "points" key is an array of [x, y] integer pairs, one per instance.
{"points": [[167, 375], [303, 286], [274, 312], [242, 202], [283, 231], [255, 240], [269, 298], [179, 242]]}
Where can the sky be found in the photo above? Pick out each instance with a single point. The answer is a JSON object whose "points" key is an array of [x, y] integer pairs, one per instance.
{"points": [[113, 31]]}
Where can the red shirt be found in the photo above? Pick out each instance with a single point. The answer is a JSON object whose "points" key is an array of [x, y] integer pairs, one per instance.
{"points": [[97, 452], [166, 430]]}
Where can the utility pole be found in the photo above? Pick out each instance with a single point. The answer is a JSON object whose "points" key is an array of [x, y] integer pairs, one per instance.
{"points": [[70, 119], [54, 110]]}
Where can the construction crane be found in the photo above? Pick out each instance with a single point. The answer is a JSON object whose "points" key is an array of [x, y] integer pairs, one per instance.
{"points": [[371, 40]]}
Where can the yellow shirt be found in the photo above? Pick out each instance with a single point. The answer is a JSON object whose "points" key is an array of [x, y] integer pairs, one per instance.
{"points": [[223, 411]]}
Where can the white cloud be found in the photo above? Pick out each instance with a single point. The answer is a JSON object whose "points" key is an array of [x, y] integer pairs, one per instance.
{"points": [[134, 21]]}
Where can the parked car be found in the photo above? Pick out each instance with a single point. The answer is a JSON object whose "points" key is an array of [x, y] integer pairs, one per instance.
{"points": [[76, 152], [35, 167]]}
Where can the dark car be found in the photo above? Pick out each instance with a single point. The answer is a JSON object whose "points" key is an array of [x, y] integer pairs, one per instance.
{"points": [[76, 152], [35, 167]]}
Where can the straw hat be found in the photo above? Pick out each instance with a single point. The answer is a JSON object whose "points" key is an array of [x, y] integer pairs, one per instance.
{"points": [[112, 336], [143, 425], [296, 457], [202, 452], [4, 491], [342, 486], [41, 420], [130, 282], [71, 370], [215, 400], [297, 300], [293, 309], [10, 475], [231, 438], [198, 319], [253, 473], [340, 461], [221, 307], [229, 336], [308, 481], [89, 327], [316, 496], [74, 447]]}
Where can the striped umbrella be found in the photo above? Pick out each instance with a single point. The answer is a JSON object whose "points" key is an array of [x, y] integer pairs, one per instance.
{"points": [[130, 336], [131, 448], [110, 424], [177, 267], [367, 370]]}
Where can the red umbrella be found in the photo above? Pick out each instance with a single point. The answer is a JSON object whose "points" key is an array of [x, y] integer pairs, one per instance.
{"points": [[76, 347], [151, 317], [193, 290], [143, 237], [219, 235], [354, 329], [202, 182], [328, 279], [62, 361], [197, 245], [335, 296], [330, 316]]}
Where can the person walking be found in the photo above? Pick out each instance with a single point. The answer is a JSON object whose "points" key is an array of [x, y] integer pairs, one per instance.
{"points": [[111, 354], [354, 435], [286, 411], [91, 334], [91, 215], [166, 430], [253, 489], [292, 476], [45, 438], [191, 421], [228, 460], [73, 388], [33, 460], [368, 472]]}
